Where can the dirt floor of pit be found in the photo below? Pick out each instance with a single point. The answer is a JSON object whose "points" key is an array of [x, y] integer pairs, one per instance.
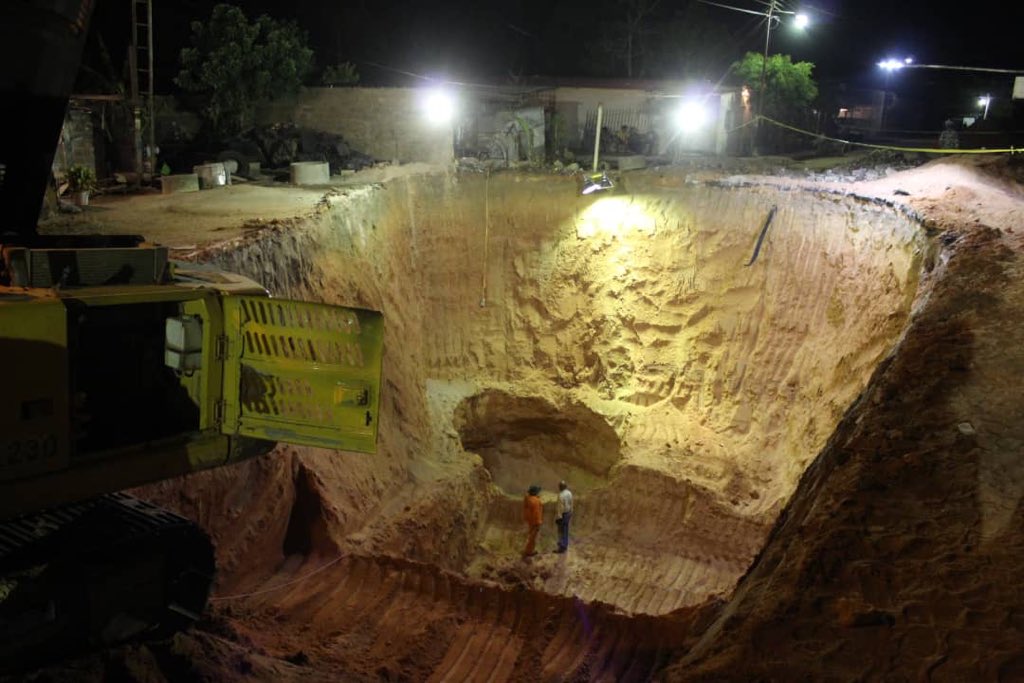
{"points": [[854, 587]]}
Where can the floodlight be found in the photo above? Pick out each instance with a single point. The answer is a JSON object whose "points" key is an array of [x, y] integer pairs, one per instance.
{"points": [[801, 21], [892, 64], [692, 115], [984, 101], [596, 182], [439, 106]]}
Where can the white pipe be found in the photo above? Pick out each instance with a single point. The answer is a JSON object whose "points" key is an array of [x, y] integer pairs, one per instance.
{"points": [[597, 134], [487, 235]]}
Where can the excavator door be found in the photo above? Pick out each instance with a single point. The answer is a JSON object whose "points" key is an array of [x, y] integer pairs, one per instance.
{"points": [[301, 372]]}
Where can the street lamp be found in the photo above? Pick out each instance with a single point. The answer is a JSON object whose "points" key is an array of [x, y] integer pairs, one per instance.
{"points": [[800, 20], [888, 66], [597, 181], [908, 63]]}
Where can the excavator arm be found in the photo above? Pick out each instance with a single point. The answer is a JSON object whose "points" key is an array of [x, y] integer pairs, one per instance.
{"points": [[121, 368], [41, 43]]}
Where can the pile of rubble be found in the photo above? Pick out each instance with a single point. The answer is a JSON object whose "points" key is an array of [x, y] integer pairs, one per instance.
{"points": [[279, 145], [876, 164]]}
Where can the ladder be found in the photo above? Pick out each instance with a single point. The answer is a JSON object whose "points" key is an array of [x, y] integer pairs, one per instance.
{"points": [[141, 63]]}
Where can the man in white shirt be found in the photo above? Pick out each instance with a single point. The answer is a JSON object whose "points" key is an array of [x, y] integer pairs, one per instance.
{"points": [[563, 514]]}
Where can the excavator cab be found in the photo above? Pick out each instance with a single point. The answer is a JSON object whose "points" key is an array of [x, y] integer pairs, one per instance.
{"points": [[127, 368], [122, 367]]}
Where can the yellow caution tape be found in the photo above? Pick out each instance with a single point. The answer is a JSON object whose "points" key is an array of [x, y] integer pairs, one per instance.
{"points": [[926, 150]]}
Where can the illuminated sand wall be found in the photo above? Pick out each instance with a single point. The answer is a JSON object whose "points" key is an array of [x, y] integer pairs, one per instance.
{"points": [[619, 341]]}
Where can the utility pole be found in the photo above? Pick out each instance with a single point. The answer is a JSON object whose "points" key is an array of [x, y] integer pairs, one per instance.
{"points": [[773, 14], [764, 79]]}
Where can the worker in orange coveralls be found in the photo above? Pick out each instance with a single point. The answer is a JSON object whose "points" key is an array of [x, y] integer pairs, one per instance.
{"points": [[533, 515]]}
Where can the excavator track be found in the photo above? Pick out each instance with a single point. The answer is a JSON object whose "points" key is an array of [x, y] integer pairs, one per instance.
{"points": [[93, 574]]}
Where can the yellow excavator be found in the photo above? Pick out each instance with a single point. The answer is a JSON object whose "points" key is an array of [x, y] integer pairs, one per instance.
{"points": [[122, 367]]}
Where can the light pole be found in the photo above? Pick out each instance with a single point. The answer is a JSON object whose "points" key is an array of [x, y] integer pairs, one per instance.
{"points": [[801, 21], [895, 65], [773, 14], [764, 77], [888, 66]]}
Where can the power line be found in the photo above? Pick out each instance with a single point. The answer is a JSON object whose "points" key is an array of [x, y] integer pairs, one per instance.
{"points": [[738, 9]]}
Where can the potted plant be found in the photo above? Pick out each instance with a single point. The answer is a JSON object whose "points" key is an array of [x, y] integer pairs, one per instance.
{"points": [[81, 180]]}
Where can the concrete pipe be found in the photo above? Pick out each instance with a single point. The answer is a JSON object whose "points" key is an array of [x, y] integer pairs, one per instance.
{"points": [[311, 173], [211, 175], [182, 182]]}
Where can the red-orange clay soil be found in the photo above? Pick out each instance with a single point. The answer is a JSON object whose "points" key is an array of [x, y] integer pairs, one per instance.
{"points": [[807, 465]]}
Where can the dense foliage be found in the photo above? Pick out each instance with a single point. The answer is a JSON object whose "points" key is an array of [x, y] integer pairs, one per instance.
{"points": [[789, 92], [344, 73], [235, 64], [789, 87]]}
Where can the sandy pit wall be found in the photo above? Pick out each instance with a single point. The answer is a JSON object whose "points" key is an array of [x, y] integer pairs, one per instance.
{"points": [[520, 316], [899, 554]]}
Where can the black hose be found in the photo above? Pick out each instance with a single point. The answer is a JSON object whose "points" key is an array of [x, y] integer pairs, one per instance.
{"points": [[760, 238]]}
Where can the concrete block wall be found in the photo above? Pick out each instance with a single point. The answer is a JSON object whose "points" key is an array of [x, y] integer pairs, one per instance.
{"points": [[656, 108], [386, 123], [76, 145]]}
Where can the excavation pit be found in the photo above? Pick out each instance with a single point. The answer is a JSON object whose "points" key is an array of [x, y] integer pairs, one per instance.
{"points": [[676, 360], [630, 344]]}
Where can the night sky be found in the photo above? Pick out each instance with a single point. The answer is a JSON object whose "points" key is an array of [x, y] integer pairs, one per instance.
{"points": [[487, 40]]}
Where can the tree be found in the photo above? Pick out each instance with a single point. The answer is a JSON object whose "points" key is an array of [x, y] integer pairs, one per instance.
{"points": [[789, 91], [654, 39], [236, 65], [691, 44], [622, 30], [637, 11], [344, 73], [789, 88]]}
